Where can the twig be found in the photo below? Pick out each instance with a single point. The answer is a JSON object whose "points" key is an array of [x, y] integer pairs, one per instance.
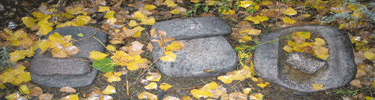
{"points": [[86, 37]]}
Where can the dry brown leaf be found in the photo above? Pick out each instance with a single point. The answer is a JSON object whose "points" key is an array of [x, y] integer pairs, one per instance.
{"points": [[153, 33], [150, 47], [356, 83], [68, 89], [71, 50], [129, 32], [168, 39], [237, 96], [36, 91], [162, 33], [46, 96]]}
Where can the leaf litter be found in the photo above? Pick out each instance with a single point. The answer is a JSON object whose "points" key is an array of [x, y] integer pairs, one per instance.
{"points": [[126, 53]]}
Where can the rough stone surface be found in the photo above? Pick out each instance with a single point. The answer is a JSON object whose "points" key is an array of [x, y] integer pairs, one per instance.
{"points": [[304, 62], [270, 65], [193, 27], [211, 53], [59, 72]]}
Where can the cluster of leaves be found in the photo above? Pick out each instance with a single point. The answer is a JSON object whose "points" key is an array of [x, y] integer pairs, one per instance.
{"points": [[298, 43]]}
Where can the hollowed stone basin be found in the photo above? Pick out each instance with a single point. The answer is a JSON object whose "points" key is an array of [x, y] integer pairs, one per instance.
{"points": [[270, 60]]}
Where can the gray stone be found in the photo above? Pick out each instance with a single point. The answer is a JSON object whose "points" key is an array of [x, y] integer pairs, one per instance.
{"points": [[59, 72], [59, 80], [63, 66], [193, 27], [304, 62], [270, 65], [211, 53]]}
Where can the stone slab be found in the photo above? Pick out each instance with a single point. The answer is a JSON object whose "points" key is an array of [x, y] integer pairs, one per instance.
{"points": [[193, 27], [62, 66], [341, 68], [59, 72], [65, 80], [211, 53], [304, 62]]}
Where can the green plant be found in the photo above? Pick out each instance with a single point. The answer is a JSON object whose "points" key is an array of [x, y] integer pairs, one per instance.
{"points": [[195, 8], [4, 59], [224, 5], [350, 92], [104, 65]]}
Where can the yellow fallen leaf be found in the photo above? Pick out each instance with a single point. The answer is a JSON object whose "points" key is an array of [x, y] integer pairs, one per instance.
{"points": [[28, 21], [175, 11], [200, 93], [24, 89], [195, 1], [13, 96], [254, 32], [96, 55], [75, 11], [165, 86], [245, 4], [138, 28], [174, 46], [2, 86], [109, 90], [263, 85], [112, 76], [111, 48], [225, 79], [210, 86], [109, 14], [305, 35], [319, 41], [111, 21], [148, 21], [103, 8], [256, 96], [147, 95], [153, 77], [265, 2], [169, 57], [290, 11], [227, 12], [170, 3], [45, 29], [72, 97], [321, 52], [132, 23], [152, 85], [369, 55], [288, 20], [150, 47], [246, 90], [81, 20], [246, 38], [66, 24], [288, 49], [257, 19], [149, 7], [317, 86]]}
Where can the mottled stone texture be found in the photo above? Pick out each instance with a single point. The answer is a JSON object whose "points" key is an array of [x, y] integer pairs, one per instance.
{"points": [[206, 48], [212, 53], [269, 60], [193, 27], [59, 72], [304, 62]]}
